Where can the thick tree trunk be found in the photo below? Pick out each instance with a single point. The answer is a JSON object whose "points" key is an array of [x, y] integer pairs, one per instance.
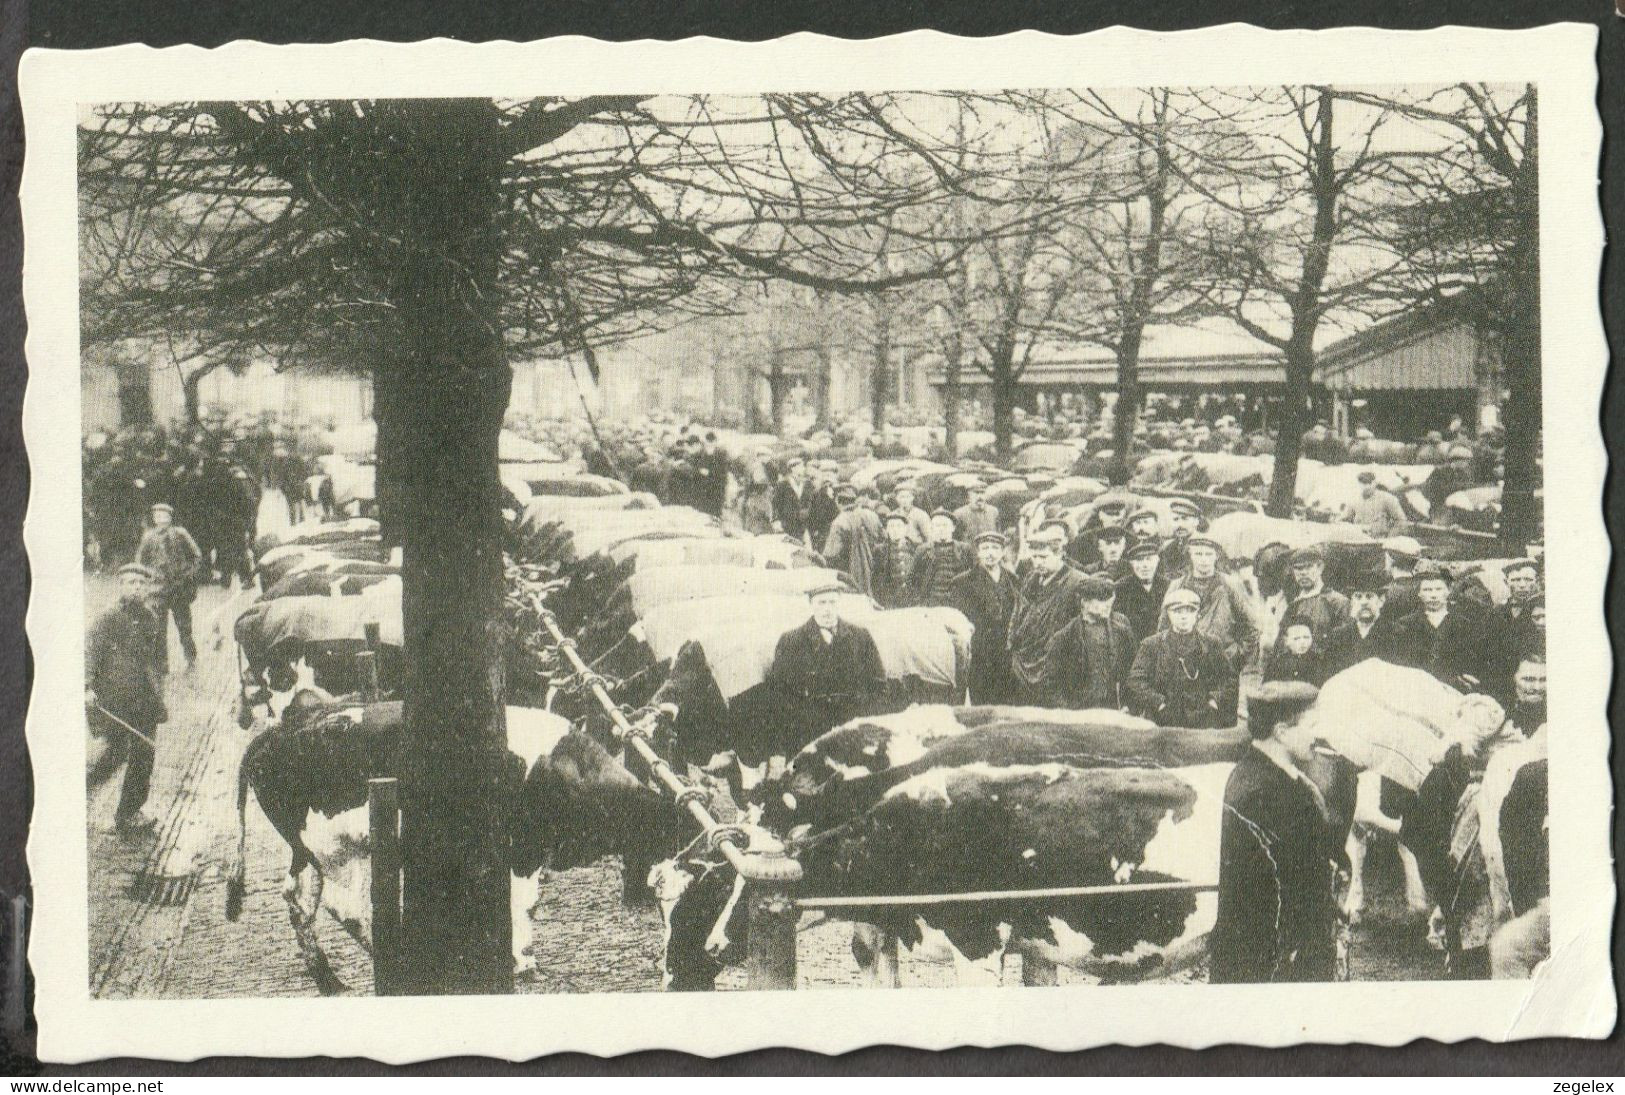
{"points": [[823, 367], [778, 392], [1295, 419], [439, 407], [880, 376], [950, 400], [134, 375], [1521, 519], [1127, 412], [1005, 394], [192, 391]]}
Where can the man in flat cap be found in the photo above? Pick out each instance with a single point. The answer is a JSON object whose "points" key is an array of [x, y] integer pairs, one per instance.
{"points": [[789, 500], [1186, 518], [1313, 602], [1226, 616], [1278, 853], [170, 553], [1142, 528], [828, 669], [1376, 510], [124, 692], [1110, 542], [1088, 660], [1180, 677], [986, 594], [1141, 590], [1369, 632], [854, 537], [932, 580], [822, 507], [1108, 512], [1523, 590], [1448, 641], [977, 515], [1047, 601]]}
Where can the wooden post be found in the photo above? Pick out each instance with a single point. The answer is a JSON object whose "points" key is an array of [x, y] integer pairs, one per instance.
{"points": [[383, 813], [16, 990], [770, 961]]}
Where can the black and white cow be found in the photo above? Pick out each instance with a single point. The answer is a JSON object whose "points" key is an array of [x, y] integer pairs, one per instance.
{"points": [[984, 827], [309, 774]]}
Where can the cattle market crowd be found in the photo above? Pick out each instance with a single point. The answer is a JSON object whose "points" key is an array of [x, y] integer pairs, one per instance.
{"points": [[828, 627]]}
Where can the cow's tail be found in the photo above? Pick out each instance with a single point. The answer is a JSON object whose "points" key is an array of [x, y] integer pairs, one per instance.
{"points": [[236, 869]]}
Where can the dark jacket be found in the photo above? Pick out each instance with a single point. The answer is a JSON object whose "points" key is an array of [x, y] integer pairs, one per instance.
{"points": [[1277, 916], [1345, 646], [842, 675], [1310, 668], [1461, 646], [1183, 680], [930, 580], [790, 509], [1141, 607], [1088, 662], [123, 664], [1042, 609], [1323, 612], [893, 565], [822, 509], [988, 605]]}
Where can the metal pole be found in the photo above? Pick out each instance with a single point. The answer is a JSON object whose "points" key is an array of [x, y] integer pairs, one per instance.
{"points": [[383, 813], [16, 968]]}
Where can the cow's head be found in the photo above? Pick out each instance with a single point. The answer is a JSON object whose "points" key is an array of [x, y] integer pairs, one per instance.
{"points": [[704, 912]]}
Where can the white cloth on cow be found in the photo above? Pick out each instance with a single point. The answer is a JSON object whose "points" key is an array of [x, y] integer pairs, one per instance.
{"points": [[316, 532], [658, 586], [323, 619], [1389, 719], [1331, 487], [739, 635], [352, 482], [769, 550], [1242, 534]]}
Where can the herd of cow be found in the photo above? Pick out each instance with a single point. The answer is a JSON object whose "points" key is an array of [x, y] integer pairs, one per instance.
{"points": [[920, 795]]}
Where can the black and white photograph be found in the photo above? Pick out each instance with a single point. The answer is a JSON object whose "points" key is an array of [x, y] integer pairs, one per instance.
{"points": [[1098, 538]]}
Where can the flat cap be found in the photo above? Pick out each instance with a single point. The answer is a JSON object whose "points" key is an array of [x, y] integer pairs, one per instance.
{"points": [[1407, 546], [1185, 506], [1522, 564], [1096, 588], [991, 537], [1110, 532], [1306, 555], [164, 506], [845, 494], [1269, 703], [827, 587], [138, 570], [1366, 581], [1144, 549], [897, 515], [944, 512], [1180, 596], [1200, 540], [1141, 514]]}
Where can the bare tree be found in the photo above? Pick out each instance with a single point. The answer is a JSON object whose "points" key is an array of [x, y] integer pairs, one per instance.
{"points": [[424, 241]]}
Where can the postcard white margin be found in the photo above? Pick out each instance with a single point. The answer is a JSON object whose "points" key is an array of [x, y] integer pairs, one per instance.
{"points": [[1573, 997]]}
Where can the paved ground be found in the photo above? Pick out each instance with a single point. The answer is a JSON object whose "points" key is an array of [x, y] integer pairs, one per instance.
{"points": [[157, 923]]}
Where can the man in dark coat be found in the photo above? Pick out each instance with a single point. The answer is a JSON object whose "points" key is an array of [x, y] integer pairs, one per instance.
{"points": [[931, 580], [790, 497], [1451, 642], [1322, 608], [822, 508], [1369, 632], [1180, 677], [713, 464], [827, 670], [1140, 593], [986, 594], [1277, 914], [1089, 659], [124, 692], [1110, 542], [1402, 554], [853, 539], [1046, 603], [1186, 517], [173, 556], [894, 563]]}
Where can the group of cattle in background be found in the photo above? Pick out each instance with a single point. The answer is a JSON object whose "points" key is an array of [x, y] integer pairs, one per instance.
{"points": [[916, 794]]}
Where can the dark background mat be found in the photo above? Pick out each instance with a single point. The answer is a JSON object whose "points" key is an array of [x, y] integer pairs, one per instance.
{"points": [[82, 24]]}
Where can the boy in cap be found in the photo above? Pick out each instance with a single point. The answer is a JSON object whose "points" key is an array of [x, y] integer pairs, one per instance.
{"points": [[893, 563], [853, 538], [1141, 590], [124, 692], [936, 567], [1088, 660], [170, 553], [986, 594], [1180, 677], [1226, 615], [1047, 601], [1278, 853], [1376, 510]]}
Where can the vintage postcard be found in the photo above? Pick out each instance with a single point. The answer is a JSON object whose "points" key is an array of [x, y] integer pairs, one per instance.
{"points": [[929, 541]]}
